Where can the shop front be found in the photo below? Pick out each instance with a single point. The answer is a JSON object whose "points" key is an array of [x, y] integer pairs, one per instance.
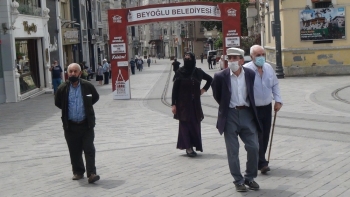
{"points": [[27, 64], [31, 76], [70, 42]]}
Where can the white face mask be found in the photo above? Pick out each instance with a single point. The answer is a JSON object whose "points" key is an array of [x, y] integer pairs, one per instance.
{"points": [[234, 66]]}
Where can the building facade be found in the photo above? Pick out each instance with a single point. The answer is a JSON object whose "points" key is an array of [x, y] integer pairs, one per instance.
{"points": [[24, 50], [314, 36]]}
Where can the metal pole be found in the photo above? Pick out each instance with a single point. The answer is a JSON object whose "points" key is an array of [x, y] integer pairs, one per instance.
{"points": [[277, 29]]}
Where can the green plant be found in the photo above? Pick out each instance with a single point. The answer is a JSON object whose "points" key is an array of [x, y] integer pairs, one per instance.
{"points": [[218, 41], [210, 25], [248, 41]]}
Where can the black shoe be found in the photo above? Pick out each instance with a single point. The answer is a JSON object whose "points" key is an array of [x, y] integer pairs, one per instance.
{"points": [[77, 176], [241, 188], [265, 169], [93, 178], [252, 185], [191, 154]]}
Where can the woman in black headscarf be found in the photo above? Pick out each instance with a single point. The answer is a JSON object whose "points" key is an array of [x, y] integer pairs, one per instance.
{"points": [[186, 104]]}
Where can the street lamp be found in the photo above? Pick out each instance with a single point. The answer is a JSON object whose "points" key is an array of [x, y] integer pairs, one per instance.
{"points": [[277, 30], [211, 36]]}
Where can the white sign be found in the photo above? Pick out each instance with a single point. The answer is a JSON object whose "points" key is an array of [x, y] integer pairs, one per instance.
{"points": [[123, 63], [231, 33], [172, 12], [115, 57], [232, 41], [118, 48]]}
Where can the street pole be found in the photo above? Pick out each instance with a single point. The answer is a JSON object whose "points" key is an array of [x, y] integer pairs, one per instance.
{"points": [[277, 29]]}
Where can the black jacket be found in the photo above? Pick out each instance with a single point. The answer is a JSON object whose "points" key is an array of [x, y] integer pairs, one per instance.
{"points": [[61, 101], [186, 91]]}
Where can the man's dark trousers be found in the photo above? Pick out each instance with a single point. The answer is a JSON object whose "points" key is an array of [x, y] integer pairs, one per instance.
{"points": [[264, 115], [210, 65], [80, 138], [106, 77]]}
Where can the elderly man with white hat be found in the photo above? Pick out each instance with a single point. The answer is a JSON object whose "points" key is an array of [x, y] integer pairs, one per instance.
{"points": [[234, 92]]}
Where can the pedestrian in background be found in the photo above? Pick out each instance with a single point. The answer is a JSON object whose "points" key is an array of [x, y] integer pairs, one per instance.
{"points": [[56, 72], [76, 98], [149, 61], [186, 104], [105, 71], [266, 89], [202, 56], [176, 66], [132, 66], [210, 64], [233, 90], [90, 74], [99, 74], [140, 64]]}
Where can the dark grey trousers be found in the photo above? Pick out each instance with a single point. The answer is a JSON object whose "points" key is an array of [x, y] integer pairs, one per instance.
{"points": [[241, 123], [81, 139]]}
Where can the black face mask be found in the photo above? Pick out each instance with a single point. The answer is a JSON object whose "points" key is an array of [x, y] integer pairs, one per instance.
{"points": [[73, 79]]}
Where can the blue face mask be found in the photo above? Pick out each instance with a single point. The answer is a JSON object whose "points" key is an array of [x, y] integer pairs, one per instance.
{"points": [[260, 61]]}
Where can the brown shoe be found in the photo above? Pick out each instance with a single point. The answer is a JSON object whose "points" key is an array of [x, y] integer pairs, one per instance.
{"points": [[93, 178], [77, 176], [265, 169]]}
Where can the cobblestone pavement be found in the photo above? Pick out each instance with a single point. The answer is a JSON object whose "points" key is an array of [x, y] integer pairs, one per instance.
{"points": [[136, 139]]}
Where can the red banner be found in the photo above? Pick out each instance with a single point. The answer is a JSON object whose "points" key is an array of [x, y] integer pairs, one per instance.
{"points": [[119, 19]]}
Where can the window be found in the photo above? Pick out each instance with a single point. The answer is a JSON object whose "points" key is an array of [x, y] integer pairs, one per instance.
{"points": [[83, 16], [64, 10], [29, 7], [322, 4], [99, 12]]}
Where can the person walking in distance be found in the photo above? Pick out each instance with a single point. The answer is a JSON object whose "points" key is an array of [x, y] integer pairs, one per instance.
{"points": [[132, 65], [105, 71], [234, 92], [99, 74], [56, 72], [186, 104], [210, 64], [76, 98], [149, 61], [176, 66], [202, 56], [140, 64], [266, 88]]}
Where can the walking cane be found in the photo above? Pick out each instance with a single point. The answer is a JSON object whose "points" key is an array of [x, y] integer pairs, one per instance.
{"points": [[273, 128]]}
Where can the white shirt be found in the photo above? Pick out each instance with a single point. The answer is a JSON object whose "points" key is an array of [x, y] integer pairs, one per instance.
{"points": [[266, 87], [238, 90]]}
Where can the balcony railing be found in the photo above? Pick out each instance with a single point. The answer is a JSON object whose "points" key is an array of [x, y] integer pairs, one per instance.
{"points": [[29, 10]]}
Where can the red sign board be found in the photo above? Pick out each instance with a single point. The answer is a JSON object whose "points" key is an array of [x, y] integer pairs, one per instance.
{"points": [[119, 19]]}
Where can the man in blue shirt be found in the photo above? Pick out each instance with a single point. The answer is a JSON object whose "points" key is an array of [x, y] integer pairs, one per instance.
{"points": [[56, 72], [266, 89], [76, 98]]}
